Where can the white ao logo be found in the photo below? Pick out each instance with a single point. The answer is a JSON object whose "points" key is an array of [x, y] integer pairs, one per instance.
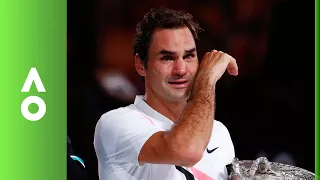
{"points": [[33, 76]]}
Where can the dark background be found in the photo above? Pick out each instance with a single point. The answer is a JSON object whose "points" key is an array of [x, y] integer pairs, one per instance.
{"points": [[268, 108]]}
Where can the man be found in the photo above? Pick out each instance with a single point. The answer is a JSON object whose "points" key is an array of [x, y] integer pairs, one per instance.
{"points": [[170, 132]]}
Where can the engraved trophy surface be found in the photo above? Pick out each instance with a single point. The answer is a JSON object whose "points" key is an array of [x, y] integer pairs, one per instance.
{"points": [[262, 169]]}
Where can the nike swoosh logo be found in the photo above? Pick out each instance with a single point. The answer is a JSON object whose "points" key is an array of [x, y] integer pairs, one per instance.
{"points": [[210, 151]]}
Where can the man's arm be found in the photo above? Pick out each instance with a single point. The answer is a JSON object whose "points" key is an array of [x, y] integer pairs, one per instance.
{"points": [[185, 143]]}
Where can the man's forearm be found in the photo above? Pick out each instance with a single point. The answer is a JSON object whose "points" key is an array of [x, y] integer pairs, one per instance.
{"points": [[193, 130]]}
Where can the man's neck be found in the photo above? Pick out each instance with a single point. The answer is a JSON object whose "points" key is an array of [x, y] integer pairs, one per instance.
{"points": [[171, 110]]}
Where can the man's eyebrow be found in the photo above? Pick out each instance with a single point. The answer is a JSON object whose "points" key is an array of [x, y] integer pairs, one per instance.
{"points": [[167, 52], [190, 51]]}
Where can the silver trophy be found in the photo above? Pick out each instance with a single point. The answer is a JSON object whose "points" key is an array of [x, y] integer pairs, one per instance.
{"points": [[262, 169]]}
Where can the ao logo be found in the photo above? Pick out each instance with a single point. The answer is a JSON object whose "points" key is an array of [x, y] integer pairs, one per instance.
{"points": [[33, 76]]}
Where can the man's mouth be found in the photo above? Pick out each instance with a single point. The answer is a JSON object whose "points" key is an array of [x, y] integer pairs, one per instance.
{"points": [[179, 83]]}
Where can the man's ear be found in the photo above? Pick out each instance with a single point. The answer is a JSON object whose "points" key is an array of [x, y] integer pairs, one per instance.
{"points": [[139, 65]]}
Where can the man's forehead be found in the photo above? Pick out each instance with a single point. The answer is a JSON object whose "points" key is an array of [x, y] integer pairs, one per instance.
{"points": [[172, 34], [172, 40]]}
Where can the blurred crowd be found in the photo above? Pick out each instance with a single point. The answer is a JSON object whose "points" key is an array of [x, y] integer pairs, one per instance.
{"points": [[268, 108]]}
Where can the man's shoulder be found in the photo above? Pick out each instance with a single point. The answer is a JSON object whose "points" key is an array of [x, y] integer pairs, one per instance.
{"points": [[119, 112], [116, 119], [120, 116]]}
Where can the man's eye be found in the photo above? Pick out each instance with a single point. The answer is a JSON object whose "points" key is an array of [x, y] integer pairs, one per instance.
{"points": [[167, 58], [188, 56]]}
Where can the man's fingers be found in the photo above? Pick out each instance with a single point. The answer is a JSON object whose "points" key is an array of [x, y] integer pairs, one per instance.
{"points": [[217, 61], [232, 67], [213, 53]]}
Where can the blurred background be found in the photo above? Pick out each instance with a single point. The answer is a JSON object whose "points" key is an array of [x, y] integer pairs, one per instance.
{"points": [[268, 108]]}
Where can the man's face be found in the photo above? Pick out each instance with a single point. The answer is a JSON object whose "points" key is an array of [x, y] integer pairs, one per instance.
{"points": [[172, 64]]}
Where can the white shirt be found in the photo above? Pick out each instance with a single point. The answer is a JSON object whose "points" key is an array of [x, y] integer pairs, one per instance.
{"points": [[121, 133]]}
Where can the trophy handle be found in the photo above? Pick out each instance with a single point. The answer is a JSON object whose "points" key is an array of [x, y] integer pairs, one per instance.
{"points": [[262, 165]]}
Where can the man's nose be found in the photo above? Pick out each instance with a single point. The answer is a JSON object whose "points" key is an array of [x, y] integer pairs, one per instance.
{"points": [[180, 67]]}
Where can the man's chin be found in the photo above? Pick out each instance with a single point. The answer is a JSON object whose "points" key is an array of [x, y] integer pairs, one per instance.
{"points": [[180, 97]]}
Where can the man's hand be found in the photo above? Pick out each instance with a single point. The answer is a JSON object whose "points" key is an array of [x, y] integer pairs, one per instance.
{"points": [[213, 66]]}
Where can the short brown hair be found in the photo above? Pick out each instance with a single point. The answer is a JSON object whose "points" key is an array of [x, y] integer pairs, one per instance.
{"points": [[163, 18]]}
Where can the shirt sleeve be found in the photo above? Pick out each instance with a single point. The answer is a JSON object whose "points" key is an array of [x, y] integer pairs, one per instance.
{"points": [[120, 135]]}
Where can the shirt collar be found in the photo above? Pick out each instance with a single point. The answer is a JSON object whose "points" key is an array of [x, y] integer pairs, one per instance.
{"points": [[142, 105]]}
